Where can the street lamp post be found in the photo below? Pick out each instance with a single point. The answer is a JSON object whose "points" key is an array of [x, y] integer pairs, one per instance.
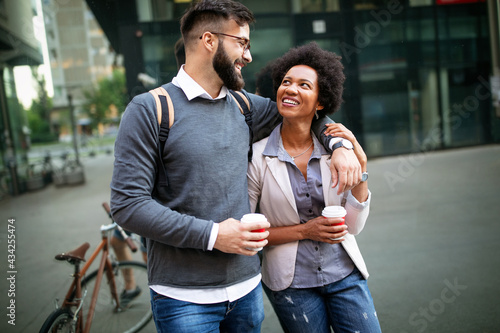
{"points": [[73, 127]]}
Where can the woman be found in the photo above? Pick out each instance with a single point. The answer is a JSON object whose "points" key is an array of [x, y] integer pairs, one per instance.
{"points": [[313, 282]]}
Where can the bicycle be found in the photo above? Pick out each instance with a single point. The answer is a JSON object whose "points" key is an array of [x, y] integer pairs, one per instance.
{"points": [[4, 183], [103, 310], [70, 173]]}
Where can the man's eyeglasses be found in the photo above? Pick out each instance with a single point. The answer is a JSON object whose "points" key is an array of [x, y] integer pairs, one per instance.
{"points": [[245, 43]]}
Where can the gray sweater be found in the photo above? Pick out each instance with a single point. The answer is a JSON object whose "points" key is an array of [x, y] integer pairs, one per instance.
{"points": [[206, 161]]}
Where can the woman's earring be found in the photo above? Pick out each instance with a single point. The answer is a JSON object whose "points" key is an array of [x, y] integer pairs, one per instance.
{"points": [[316, 113]]}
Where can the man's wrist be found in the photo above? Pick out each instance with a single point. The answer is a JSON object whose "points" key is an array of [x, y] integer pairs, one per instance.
{"points": [[213, 237], [333, 141], [344, 143]]}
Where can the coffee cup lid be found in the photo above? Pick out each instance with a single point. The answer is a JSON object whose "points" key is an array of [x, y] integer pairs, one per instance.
{"points": [[334, 211], [254, 217]]}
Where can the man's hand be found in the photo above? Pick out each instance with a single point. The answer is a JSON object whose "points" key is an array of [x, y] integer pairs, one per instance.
{"points": [[347, 165], [345, 169], [236, 237]]}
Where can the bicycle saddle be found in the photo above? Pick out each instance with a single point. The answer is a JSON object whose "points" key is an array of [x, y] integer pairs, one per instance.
{"points": [[77, 255]]}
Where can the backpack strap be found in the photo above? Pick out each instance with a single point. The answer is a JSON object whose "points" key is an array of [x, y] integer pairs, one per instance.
{"points": [[161, 97], [244, 106], [165, 116]]}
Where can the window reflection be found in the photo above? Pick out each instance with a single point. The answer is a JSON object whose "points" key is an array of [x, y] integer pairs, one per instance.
{"points": [[309, 6]]}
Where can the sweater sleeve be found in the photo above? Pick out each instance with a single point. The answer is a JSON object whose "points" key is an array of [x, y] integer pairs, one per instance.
{"points": [[265, 116], [134, 174]]}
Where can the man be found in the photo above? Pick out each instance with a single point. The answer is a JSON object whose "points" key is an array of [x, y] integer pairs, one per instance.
{"points": [[204, 275]]}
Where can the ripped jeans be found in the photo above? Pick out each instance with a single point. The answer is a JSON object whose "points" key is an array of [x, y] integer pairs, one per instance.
{"points": [[345, 305]]}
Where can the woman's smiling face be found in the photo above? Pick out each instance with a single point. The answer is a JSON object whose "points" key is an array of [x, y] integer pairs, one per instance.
{"points": [[297, 96]]}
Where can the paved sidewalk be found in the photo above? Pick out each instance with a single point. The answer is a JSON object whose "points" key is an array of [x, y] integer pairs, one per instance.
{"points": [[431, 242]]}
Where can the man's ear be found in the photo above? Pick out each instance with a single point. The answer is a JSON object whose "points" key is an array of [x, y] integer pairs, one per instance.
{"points": [[209, 41]]}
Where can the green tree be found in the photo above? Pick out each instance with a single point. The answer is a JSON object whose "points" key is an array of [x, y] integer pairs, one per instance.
{"points": [[110, 93], [39, 113]]}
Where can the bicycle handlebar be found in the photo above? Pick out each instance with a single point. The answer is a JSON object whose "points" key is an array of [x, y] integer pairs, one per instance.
{"points": [[107, 209], [126, 237]]}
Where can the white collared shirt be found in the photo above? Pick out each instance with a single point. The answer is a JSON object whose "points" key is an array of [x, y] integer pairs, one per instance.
{"points": [[192, 89], [207, 295]]}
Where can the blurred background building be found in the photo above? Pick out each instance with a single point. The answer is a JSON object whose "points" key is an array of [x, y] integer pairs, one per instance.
{"points": [[421, 74], [18, 47], [66, 37], [79, 54], [418, 71]]}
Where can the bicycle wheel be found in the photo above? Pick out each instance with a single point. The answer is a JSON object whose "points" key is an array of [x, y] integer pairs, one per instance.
{"points": [[61, 320], [130, 319]]}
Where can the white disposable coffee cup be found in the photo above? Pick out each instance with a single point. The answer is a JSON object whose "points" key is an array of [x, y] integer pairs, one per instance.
{"points": [[254, 217], [335, 211]]}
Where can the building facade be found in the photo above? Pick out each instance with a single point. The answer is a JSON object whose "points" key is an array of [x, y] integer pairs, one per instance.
{"points": [[418, 71], [18, 47], [79, 54]]}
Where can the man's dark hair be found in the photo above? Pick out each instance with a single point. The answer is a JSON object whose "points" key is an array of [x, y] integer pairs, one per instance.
{"points": [[210, 15], [328, 67], [264, 82]]}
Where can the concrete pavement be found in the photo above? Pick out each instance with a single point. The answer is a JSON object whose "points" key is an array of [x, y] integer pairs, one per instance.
{"points": [[431, 242]]}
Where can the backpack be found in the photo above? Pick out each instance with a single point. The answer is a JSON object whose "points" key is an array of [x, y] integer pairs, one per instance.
{"points": [[165, 116]]}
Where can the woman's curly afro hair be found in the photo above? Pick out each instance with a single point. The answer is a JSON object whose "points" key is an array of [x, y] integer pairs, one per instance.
{"points": [[327, 66]]}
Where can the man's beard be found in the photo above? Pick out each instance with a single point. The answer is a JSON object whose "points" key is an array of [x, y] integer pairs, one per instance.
{"points": [[226, 70]]}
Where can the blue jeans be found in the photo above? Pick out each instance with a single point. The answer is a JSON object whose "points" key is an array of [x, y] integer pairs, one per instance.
{"points": [[345, 305], [173, 316]]}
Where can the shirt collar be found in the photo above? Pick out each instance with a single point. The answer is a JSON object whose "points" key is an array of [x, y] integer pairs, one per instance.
{"points": [[192, 89], [274, 147]]}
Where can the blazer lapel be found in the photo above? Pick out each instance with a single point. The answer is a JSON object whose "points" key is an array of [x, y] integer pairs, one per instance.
{"points": [[280, 174]]}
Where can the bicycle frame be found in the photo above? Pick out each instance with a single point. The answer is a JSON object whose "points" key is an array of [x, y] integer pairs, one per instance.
{"points": [[76, 287]]}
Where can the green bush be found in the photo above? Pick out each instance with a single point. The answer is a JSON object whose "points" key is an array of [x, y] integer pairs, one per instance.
{"points": [[40, 129]]}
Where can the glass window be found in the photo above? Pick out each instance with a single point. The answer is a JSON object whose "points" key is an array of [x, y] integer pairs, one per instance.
{"points": [[465, 102], [160, 10], [394, 82], [420, 29], [143, 11], [3, 9], [58, 92], [158, 52], [385, 112], [457, 27], [271, 38], [418, 3], [311, 6], [267, 44], [268, 7], [16, 114], [374, 4]]}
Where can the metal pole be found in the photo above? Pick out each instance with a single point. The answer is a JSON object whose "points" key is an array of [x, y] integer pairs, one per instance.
{"points": [[10, 155], [73, 127], [494, 35], [494, 18]]}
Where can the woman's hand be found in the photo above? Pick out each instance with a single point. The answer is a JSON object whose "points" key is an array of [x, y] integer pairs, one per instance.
{"points": [[340, 131], [321, 229]]}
